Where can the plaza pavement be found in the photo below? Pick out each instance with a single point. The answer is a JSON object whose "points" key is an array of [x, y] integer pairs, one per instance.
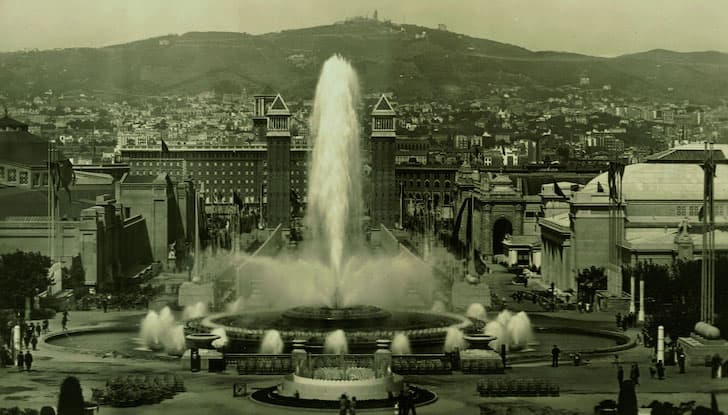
{"points": [[581, 387]]}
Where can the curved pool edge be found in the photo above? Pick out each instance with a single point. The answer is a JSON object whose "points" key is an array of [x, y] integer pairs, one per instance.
{"points": [[47, 341]]}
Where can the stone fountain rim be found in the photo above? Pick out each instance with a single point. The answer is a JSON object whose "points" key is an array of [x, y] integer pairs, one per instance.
{"points": [[463, 323]]}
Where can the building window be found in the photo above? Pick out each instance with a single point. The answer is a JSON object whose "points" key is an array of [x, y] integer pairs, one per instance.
{"points": [[12, 175], [682, 211], [693, 210], [23, 177], [2, 172]]}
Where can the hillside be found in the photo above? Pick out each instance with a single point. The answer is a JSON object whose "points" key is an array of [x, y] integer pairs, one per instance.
{"points": [[387, 57]]}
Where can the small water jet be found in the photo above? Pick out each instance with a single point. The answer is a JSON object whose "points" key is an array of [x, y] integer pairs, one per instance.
{"points": [[161, 332], [454, 340], [272, 343], [520, 332], [222, 341], [438, 307], [195, 311], [401, 344], [336, 343], [476, 311], [495, 328]]}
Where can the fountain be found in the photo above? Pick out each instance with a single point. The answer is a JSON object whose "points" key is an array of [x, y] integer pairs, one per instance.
{"points": [[162, 332], [334, 270], [454, 340], [514, 331]]}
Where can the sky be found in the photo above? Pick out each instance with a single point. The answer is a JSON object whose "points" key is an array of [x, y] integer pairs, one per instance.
{"points": [[594, 27]]}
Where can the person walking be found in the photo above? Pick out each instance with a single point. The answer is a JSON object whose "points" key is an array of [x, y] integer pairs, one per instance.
{"points": [[660, 370], [620, 375], [681, 359], [634, 373], [64, 321], [21, 361], [343, 404], [46, 326], [352, 406], [34, 342], [618, 318], [28, 360], [37, 329], [555, 352]]}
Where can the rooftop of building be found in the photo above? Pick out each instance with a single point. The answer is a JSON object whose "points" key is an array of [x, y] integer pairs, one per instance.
{"points": [[664, 181], [22, 147], [8, 122], [23, 202], [664, 239], [689, 153]]}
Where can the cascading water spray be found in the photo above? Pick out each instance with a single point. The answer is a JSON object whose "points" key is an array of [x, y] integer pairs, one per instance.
{"points": [[334, 191], [336, 343]]}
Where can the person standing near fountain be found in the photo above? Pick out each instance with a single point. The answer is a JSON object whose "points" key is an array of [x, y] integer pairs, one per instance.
{"points": [[555, 352]]}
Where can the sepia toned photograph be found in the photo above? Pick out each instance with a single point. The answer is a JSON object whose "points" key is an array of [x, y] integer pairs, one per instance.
{"points": [[434, 207]]}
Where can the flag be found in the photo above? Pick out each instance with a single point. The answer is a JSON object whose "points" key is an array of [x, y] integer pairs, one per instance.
{"points": [[238, 202], [503, 149], [295, 202], [62, 175], [558, 190], [165, 149]]}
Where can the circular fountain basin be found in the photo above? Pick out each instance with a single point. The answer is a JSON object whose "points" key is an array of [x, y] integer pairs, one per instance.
{"points": [[330, 390], [363, 325], [201, 340]]}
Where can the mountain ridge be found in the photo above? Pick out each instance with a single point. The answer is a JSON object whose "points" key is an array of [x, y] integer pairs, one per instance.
{"points": [[413, 61]]}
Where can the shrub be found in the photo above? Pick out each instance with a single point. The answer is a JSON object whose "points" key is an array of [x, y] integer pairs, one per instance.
{"points": [[42, 314]]}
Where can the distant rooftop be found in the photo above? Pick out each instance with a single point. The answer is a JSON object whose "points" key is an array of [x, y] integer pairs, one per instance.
{"points": [[689, 153]]}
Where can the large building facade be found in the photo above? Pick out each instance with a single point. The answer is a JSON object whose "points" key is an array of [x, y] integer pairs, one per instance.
{"points": [[660, 199]]}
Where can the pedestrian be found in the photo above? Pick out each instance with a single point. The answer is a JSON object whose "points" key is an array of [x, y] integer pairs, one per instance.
{"points": [[64, 321], [352, 406], [402, 401], [70, 400], [28, 360], [343, 404], [21, 361], [26, 340], [411, 401], [681, 359], [46, 326], [634, 373], [34, 342], [618, 318], [660, 370], [37, 329], [555, 356], [620, 375], [624, 324]]}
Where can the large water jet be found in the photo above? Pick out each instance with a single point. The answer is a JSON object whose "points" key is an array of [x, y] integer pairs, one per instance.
{"points": [[335, 200]]}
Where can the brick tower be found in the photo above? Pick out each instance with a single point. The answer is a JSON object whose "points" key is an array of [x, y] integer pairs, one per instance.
{"points": [[278, 136], [384, 203]]}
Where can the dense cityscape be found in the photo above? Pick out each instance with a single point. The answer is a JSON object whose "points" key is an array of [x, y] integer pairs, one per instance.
{"points": [[416, 239]]}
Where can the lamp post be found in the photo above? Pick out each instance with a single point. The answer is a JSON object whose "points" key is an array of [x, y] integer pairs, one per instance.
{"points": [[631, 294], [641, 313]]}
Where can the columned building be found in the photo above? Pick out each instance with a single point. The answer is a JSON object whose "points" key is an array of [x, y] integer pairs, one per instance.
{"points": [[278, 136], [659, 223], [384, 204]]}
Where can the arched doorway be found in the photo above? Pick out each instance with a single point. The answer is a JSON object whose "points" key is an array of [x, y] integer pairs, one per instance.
{"points": [[501, 228]]}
